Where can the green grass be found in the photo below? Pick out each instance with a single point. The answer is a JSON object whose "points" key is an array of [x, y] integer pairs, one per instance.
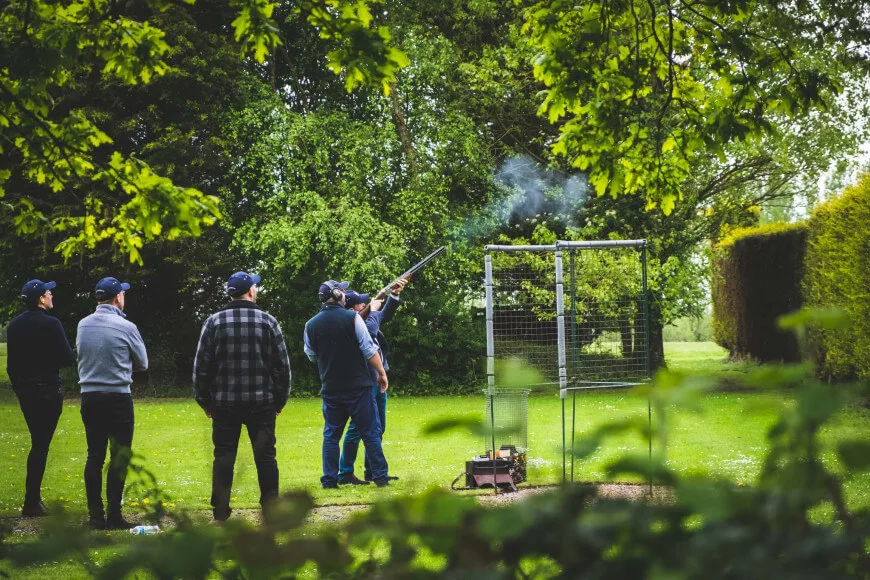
{"points": [[725, 438]]}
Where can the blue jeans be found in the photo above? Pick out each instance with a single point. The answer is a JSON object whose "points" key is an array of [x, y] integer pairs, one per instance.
{"points": [[350, 448], [337, 409]]}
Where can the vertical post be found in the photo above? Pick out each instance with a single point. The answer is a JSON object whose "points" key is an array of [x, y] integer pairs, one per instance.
{"points": [[574, 350], [646, 321], [562, 393], [560, 333], [573, 429], [490, 338], [490, 364]]}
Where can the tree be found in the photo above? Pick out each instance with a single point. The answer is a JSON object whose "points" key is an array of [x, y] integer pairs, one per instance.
{"points": [[50, 146], [645, 91]]}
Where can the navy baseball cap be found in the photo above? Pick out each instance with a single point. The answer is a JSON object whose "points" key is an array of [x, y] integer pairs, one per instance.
{"points": [[108, 288], [351, 299], [325, 291], [241, 282], [34, 289]]}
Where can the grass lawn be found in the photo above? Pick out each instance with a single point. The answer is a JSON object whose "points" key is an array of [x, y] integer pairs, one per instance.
{"points": [[726, 438], [174, 437]]}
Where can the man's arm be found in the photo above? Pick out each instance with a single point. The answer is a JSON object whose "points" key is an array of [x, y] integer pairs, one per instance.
{"points": [[376, 363], [137, 351], [393, 300], [65, 356], [309, 352], [202, 364], [280, 369]]}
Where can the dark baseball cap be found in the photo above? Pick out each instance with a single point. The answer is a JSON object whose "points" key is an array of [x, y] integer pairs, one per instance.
{"points": [[352, 298], [325, 291], [108, 288], [34, 289], [241, 282]]}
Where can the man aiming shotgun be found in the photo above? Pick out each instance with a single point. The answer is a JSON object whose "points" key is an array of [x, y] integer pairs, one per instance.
{"points": [[375, 313]]}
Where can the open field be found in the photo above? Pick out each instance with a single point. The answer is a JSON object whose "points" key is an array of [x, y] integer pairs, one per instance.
{"points": [[724, 438]]}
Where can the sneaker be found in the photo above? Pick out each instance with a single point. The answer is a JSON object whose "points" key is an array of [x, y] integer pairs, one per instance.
{"points": [[34, 511], [97, 523], [384, 482], [118, 523], [352, 479], [218, 523], [330, 486], [368, 476], [393, 477]]}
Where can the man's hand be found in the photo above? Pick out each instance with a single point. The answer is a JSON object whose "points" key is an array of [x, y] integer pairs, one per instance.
{"points": [[375, 304], [400, 285], [208, 414], [382, 382]]}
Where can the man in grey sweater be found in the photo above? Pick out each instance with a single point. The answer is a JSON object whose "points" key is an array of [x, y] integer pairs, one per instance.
{"points": [[110, 348]]}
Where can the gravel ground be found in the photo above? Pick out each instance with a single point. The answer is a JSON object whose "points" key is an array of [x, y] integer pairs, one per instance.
{"points": [[338, 513]]}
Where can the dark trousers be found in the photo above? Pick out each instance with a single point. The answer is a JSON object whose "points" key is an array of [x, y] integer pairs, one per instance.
{"points": [[108, 419], [226, 428], [350, 447], [41, 404], [361, 407]]}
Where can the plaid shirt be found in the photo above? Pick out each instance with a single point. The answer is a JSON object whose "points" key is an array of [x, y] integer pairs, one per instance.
{"points": [[241, 359]]}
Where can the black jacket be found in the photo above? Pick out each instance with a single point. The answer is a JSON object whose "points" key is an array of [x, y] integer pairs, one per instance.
{"points": [[37, 348]]}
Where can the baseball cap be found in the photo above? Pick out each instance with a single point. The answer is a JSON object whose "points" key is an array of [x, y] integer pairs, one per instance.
{"points": [[34, 289], [325, 291], [108, 288], [241, 282], [352, 298]]}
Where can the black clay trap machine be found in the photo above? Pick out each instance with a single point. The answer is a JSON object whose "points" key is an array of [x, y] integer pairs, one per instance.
{"points": [[503, 466]]}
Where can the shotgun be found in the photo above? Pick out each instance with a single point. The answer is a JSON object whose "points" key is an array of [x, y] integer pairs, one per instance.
{"points": [[408, 273]]}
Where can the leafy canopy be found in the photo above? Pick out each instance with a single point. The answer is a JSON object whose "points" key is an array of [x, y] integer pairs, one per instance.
{"points": [[50, 146], [643, 89]]}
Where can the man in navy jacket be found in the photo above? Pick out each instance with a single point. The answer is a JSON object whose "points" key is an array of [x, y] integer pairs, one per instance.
{"points": [[337, 339], [37, 349]]}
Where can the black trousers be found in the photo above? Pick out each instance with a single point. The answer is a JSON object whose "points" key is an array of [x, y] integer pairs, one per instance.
{"points": [[41, 404], [108, 419], [226, 428]]}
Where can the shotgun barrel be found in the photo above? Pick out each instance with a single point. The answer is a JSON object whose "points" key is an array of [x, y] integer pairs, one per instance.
{"points": [[407, 274], [413, 270]]}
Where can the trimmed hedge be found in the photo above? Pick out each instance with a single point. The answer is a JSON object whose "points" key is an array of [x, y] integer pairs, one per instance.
{"points": [[838, 275], [757, 276]]}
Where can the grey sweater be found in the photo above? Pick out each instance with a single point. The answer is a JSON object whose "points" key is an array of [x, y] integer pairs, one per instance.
{"points": [[110, 348]]}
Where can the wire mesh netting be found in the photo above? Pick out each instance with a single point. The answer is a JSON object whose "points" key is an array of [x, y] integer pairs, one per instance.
{"points": [[506, 417], [602, 301], [605, 314], [524, 313]]}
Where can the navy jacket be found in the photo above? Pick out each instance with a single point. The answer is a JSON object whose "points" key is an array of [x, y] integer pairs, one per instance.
{"points": [[37, 348]]}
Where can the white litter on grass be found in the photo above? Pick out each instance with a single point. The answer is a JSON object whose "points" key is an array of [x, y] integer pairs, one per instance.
{"points": [[538, 462]]}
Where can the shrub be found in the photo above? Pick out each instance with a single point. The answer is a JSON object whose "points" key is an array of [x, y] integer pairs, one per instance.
{"points": [[756, 278], [838, 275]]}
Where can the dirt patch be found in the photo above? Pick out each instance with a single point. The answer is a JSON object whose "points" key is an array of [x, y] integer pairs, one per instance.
{"points": [[331, 514]]}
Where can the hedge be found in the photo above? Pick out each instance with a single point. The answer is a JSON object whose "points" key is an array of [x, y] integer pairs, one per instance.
{"points": [[838, 275], [757, 278]]}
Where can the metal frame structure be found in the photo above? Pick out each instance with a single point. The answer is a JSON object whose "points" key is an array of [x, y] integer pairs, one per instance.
{"points": [[640, 371]]}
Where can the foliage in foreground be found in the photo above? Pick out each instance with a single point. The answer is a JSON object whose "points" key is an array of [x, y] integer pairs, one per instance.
{"points": [[698, 528]]}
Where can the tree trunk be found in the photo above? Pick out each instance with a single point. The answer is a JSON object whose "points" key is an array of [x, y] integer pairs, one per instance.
{"points": [[402, 128], [656, 336], [625, 333]]}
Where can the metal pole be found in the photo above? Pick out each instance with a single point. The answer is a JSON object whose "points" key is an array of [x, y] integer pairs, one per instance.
{"points": [[560, 332], [490, 362], [492, 432], [490, 338], [646, 321], [562, 394], [573, 429]]}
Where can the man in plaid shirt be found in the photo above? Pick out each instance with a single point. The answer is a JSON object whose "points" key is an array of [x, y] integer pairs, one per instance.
{"points": [[241, 376]]}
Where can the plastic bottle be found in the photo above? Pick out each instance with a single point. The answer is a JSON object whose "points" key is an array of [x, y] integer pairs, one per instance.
{"points": [[145, 530]]}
